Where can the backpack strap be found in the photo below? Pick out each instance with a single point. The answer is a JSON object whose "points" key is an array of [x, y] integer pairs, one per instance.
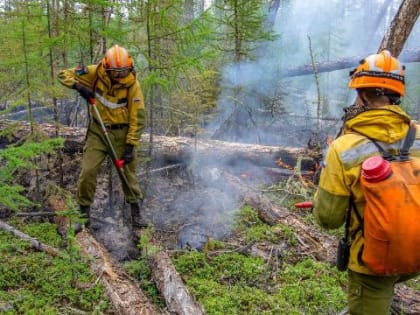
{"points": [[404, 151], [408, 142], [352, 206], [385, 154]]}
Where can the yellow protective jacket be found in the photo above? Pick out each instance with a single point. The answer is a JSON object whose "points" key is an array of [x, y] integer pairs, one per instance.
{"points": [[340, 176], [118, 103]]}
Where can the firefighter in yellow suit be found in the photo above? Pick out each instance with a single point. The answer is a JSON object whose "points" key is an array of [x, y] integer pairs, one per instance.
{"points": [[119, 100], [379, 81]]}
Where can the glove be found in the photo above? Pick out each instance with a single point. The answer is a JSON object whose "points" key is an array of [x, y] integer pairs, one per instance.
{"points": [[85, 92], [128, 154]]}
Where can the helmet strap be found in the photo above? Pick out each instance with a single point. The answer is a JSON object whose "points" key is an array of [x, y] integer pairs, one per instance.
{"points": [[365, 103]]}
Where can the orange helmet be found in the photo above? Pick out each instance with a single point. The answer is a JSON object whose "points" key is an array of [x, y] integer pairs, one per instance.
{"points": [[379, 71], [117, 58]]}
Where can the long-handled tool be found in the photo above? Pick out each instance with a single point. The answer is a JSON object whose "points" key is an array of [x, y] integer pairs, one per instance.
{"points": [[119, 163]]}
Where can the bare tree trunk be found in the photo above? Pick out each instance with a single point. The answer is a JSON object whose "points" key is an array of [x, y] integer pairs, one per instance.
{"points": [[273, 7], [188, 10], [401, 27], [52, 16]]}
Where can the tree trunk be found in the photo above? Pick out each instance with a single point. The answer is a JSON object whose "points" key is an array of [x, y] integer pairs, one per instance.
{"points": [[400, 27]]}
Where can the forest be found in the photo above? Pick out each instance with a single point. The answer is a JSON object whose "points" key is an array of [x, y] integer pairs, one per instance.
{"points": [[242, 98]]}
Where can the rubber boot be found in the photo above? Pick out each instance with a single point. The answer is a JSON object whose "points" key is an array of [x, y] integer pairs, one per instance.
{"points": [[85, 210], [136, 219]]}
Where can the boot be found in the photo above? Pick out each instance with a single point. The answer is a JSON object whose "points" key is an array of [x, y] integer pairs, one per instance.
{"points": [[85, 210], [136, 219]]}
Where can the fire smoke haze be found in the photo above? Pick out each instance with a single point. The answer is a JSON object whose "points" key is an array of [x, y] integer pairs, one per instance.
{"points": [[336, 30]]}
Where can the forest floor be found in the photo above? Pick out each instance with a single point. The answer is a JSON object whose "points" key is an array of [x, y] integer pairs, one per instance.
{"points": [[244, 267]]}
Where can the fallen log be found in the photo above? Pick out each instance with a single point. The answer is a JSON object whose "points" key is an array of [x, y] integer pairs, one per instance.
{"points": [[207, 152], [407, 56], [123, 292], [173, 150], [34, 243], [319, 245], [170, 285]]}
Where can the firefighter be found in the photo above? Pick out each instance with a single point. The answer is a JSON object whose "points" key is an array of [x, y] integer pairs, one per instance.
{"points": [[379, 82], [119, 100]]}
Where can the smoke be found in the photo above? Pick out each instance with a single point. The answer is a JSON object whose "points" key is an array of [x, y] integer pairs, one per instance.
{"points": [[259, 104]]}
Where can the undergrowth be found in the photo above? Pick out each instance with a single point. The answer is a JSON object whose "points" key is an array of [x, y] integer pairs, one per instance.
{"points": [[33, 282], [226, 281]]}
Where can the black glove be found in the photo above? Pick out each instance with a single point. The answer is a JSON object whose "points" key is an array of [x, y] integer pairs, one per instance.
{"points": [[128, 154], [85, 92]]}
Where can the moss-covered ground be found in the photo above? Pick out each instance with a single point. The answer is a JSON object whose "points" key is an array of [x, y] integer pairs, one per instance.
{"points": [[33, 282]]}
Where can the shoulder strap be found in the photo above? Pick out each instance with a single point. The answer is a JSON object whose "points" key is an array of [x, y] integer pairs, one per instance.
{"points": [[408, 142], [352, 206], [404, 151]]}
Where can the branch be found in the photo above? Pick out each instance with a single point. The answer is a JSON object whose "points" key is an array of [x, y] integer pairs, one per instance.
{"points": [[35, 244]]}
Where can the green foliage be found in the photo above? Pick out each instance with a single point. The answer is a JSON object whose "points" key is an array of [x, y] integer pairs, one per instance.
{"points": [[289, 234], [246, 217], [232, 300], [228, 282], [231, 283], [144, 243], [224, 284], [260, 233], [249, 225], [241, 27], [35, 283], [19, 158], [311, 287]]}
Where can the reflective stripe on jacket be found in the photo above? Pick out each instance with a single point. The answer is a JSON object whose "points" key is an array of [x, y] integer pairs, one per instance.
{"points": [[340, 176], [118, 103]]}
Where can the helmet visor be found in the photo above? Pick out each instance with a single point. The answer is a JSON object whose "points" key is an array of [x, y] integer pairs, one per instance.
{"points": [[118, 73]]}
